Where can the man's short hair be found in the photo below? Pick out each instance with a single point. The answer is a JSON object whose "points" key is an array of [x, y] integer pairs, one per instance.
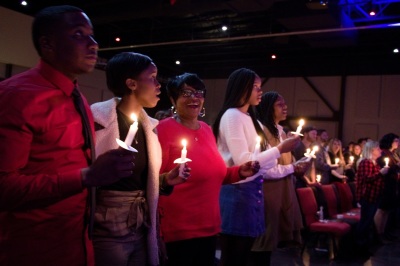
{"points": [[46, 21], [308, 129]]}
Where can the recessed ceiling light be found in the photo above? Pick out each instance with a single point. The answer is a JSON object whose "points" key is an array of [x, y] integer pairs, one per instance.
{"points": [[395, 50], [177, 62], [118, 39], [24, 3], [224, 28], [273, 56]]}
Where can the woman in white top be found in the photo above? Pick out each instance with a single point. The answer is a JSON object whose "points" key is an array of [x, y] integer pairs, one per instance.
{"points": [[236, 130], [283, 220]]}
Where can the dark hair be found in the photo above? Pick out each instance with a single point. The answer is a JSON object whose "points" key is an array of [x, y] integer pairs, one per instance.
{"points": [[175, 84], [386, 141], [361, 140], [122, 67], [320, 131], [310, 128], [240, 86], [266, 114], [47, 20]]}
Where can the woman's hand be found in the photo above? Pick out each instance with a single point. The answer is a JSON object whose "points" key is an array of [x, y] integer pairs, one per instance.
{"points": [[249, 169], [173, 177]]}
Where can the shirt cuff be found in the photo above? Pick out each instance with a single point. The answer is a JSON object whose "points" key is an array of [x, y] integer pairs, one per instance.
{"points": [[268, 158], [70, 182]]}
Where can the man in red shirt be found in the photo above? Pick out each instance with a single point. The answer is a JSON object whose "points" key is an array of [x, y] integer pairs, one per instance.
{"points": [[45, 166]]}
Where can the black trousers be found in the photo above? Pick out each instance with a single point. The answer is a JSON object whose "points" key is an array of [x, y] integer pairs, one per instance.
{"points": [[194, 252]]}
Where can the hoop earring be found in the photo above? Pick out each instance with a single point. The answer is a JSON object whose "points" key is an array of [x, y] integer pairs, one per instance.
{"points": [[173, 109], [202, 112]]}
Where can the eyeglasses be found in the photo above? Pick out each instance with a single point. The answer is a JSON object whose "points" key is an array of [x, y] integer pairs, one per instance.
{"points": [[190, 93]]}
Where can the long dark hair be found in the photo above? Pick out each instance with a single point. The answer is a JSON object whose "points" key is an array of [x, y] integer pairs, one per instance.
{"points": [[266, 114], [240, 86]]}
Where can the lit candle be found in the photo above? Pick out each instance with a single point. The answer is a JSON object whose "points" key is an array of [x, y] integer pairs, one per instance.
{"points": [[308, 152], [299, 128], [386, 162], [184, 151], [132, 131], [337, 160], [256, 148], [351, 159], [314, 150], [318, 178]]}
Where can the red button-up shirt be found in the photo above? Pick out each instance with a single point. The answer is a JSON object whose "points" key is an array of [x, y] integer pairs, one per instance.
{"points": [[42, 201], [369, 181]]}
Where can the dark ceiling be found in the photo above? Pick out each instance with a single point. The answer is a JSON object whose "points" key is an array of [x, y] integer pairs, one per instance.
{"points": [[307, 37]]}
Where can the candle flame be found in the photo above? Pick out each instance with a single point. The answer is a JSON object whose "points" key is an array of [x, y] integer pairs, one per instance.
{"points": [[134, 117], [301, 122], [184, 142], [258, 139], [315, 148]]}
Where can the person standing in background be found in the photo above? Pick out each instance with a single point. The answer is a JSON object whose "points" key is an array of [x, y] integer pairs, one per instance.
{"points": [[236, 129], [46, 149], [283, 220], [369, 188], [390, 195]]}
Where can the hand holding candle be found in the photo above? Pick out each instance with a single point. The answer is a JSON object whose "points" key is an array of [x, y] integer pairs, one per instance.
{"points": [[183, 158], [337, 160], [351, 159], [318, 178]]}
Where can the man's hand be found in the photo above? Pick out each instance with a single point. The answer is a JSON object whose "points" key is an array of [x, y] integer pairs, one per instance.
{"points": [[108, 168]]}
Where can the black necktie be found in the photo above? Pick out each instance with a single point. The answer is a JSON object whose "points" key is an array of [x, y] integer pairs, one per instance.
{"points": [[89, 144]]}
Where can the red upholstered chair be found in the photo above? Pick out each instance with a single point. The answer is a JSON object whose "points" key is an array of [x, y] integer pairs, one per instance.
{"points": [[346, 199], [333, 229], [331, 200]]}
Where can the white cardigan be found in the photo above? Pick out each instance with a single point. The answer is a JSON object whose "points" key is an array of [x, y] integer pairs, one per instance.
{"points": [[105, 114]]}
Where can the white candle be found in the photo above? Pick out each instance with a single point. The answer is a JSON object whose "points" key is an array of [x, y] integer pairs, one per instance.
{"points": [[300, 127], [308, 151], [257, 148], [351, 159], [314, 150], [337, 160], [386, 162], [132, 131], [184, 151], [318, 178]]}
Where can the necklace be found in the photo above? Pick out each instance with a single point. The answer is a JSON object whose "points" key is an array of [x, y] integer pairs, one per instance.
{"points": [[197, 126]]}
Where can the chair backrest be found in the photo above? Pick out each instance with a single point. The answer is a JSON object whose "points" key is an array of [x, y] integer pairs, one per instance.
{"points": [[308, 205], [345, 196], [331, 199]]}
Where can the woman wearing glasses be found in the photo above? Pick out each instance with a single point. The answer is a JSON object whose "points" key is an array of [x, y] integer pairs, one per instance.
{"points": [[190, 216]]}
